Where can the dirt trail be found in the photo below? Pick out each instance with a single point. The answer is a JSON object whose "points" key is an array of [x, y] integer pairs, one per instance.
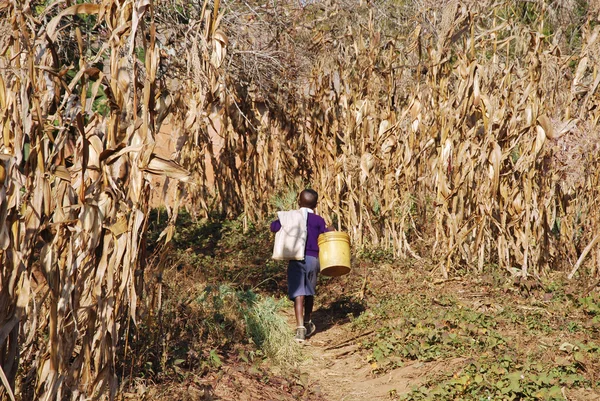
{"points": [[341, 373], [338, 371]]}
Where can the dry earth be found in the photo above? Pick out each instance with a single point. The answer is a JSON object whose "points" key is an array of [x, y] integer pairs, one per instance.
{"points": [[338, 371], [332, 369]]}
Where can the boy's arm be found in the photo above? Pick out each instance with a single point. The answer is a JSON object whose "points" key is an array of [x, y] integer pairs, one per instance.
{"points": [[325, 229], [275, 226]]}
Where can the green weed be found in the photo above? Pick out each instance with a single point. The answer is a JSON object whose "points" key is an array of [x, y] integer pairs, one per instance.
{"points": [[287, 198], [433, 334], [509, 349], [504, 379], [591, 306]]}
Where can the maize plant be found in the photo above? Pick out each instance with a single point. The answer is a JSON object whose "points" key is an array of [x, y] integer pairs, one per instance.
{"points": [[463, 132], [78, 117]]}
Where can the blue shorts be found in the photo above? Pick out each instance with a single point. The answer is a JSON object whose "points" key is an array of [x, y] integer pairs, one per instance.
{"points": [[302, 276]]}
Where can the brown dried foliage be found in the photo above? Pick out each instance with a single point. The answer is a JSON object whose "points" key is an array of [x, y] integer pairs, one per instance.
{"points": [[462, 134], [74, 190], [452, 132]]}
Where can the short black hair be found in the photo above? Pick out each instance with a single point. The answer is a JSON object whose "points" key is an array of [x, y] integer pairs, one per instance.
{"points": [[308, 198]]}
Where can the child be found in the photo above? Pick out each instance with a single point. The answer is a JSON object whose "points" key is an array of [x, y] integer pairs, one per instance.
{"points": [[302, 274]]}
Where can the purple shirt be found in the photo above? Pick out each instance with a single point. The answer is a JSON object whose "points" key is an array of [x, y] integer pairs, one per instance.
{"points": [[315, 227]]}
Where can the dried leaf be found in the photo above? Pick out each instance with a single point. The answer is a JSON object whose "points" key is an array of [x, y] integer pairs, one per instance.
{"points": [[85, 8], [168, 168]]}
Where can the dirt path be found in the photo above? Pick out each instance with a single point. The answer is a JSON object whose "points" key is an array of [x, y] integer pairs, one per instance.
{"points": [[341, 373], [337, 369]]}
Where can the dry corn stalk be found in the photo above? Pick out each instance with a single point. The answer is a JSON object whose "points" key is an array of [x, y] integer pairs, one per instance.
{"points": [[450, 141], [418, 142], [74, 191]]}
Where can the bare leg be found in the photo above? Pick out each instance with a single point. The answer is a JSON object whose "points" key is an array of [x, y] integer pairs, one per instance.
{"points": [[299, 310], [308, 307]]}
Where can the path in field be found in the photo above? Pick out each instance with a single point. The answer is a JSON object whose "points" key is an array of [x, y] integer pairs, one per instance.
{"points": [[338, 370]]}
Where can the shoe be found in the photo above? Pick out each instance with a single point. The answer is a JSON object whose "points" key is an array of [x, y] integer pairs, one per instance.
{"points": [[310, 328], [300, 334]]}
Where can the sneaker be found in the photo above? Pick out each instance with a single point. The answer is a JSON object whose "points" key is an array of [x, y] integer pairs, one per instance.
{"points": [[310, 328], [300, 334]]}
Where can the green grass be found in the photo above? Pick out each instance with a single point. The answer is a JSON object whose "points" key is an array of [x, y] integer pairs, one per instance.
{"points": [[270, 331], [220, 302]]}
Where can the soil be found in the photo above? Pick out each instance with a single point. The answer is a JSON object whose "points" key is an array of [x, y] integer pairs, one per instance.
{"points": [[337, 369]]}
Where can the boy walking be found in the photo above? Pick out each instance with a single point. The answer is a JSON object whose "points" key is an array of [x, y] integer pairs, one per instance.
{"points": [[302, 274]]}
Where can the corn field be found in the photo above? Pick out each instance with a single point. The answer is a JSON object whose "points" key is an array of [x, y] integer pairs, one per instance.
{"points": [[467, 136], [465, 133]]}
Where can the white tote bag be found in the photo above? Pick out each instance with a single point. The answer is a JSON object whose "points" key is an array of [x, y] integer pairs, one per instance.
{"points": [[290, 240]]}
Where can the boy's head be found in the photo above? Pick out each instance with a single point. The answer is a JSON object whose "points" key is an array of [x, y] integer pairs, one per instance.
{"points": [[308, 198]]}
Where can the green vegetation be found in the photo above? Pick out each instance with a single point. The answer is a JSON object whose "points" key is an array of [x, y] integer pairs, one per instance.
{"points": [[499, 342], [287, 198], [270, 331], [212, 303], [503, 379]]}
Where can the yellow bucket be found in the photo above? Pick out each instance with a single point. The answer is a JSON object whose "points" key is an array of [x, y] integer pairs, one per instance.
{"points": [[334, 253]]}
